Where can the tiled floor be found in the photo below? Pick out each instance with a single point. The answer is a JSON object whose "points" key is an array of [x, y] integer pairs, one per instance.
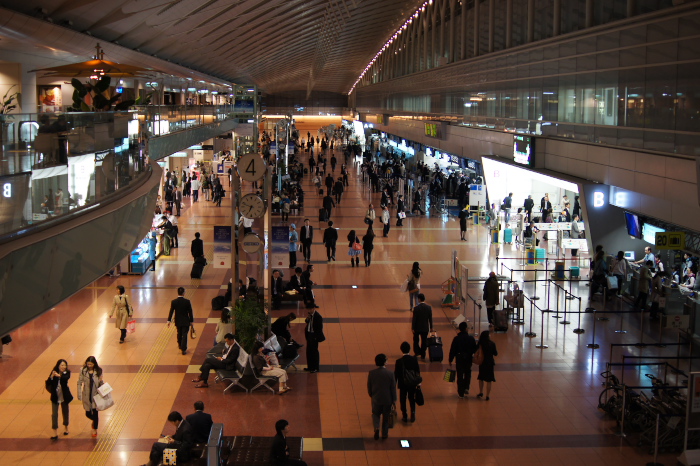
{"points": [[543, 407]]}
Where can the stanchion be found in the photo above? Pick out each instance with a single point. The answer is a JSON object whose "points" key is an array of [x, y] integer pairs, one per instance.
{"points": [[656, 443], [624, 406], [531, 334], [621, 317], [579, 330], [542, 345], [564, 322], [571, 295], [534, 293], [556, 311], [593, 344], [641, 344], [605, 297]]}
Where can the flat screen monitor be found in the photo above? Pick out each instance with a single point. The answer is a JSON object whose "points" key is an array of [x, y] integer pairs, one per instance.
{"points": [[633, 226], [524, 150], [649, 232]]}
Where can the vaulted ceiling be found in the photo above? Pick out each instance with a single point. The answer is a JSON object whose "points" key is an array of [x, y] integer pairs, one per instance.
{"points": [[280, 45]]}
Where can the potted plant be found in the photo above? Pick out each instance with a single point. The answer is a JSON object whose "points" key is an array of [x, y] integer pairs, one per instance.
{"points": [[251, 319]]}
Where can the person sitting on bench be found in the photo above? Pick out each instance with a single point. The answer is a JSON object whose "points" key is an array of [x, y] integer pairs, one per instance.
{"points": [[226, 361], [201, 423], [279, 453], [182, 441]]}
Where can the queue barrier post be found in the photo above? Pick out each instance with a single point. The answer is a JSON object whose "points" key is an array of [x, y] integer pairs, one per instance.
{"points": [[593, 345], [531, 334], [542, 345], [624, 407], [656, 443], [556, 311], [622, 315], [578, 330], [565, 322]]}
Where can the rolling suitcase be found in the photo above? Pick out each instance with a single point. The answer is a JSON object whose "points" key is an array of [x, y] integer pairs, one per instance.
{"points": [[494, 236], [322, 215], [574, 272], [508, 235], [500, 320], [435, 348], [197, 270]]}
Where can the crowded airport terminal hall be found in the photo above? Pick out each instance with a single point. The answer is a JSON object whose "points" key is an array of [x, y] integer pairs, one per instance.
{"points": [[382, 204]]}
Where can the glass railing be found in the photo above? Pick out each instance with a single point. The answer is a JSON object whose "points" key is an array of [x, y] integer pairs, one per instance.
{"points": [[163, 119], [52, 164]]}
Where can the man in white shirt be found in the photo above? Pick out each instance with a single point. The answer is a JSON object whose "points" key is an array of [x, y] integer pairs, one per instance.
{"points": [[386, 220], [195, 189]]}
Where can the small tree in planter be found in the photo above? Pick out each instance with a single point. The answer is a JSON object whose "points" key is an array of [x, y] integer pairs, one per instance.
{"points": [[251, 320]]}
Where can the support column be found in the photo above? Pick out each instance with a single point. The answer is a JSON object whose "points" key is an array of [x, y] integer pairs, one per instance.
{"points": [[463, 35], [631, 8], [492, 22], [589, 13], [28, 90], [556, 20], [433, 35], [476, 28], [443, 15], [451, 53], [425, 22], [509, 23], [530, 20]]}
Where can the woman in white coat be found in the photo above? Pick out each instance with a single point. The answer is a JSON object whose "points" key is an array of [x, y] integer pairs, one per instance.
{"points": [[120, 306], [88, 382]]}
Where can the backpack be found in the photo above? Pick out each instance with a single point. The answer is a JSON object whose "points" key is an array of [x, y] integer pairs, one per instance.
{"points": [[411, 378]]}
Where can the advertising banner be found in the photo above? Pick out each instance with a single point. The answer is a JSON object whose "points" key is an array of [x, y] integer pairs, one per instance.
{"points": [[222, 247], [279, 254]]}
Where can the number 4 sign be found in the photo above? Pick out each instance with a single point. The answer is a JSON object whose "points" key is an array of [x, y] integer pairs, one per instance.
{"points": [[251, 167]]}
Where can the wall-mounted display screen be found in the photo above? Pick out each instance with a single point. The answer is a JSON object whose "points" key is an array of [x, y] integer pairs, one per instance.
{"points": [[431, 129], [524, 150], [649, 232], [633, 227]]}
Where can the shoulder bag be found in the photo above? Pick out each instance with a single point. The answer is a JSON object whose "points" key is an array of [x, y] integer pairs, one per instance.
{"points": [[411, 378], [356, 245], [478, 358], [129, 309]]}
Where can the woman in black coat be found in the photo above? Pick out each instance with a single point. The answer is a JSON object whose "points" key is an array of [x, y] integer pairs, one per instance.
{"points": [[57, 386], [486, 368], [368, 245]]}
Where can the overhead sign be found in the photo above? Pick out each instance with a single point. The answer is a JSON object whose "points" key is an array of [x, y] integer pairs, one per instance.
{"points": [[670, 240]]}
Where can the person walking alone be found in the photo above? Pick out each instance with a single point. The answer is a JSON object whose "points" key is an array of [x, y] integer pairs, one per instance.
{"points": [[120, 306], [386, 218], [182, 308], [368, 245], [461, 351], [293, 246], [352, 251], [408, 379], [381, 386], [486, 367], [421, 325], [89, 381], [330, 237], [491, 296], [57, 386]]}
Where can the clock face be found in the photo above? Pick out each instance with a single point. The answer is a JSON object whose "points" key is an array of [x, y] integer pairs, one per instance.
{"points": [[251, 167], [251, 243], [252, 206]]}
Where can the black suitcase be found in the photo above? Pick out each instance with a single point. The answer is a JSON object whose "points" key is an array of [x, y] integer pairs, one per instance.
{"points": [[322, 215], [435, 348], [500, 320], [218, 303], [435, 353], [197, 270], [201, 260]]}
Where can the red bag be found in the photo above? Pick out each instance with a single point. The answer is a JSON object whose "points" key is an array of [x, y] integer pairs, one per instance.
{"points": [[131, 326]]}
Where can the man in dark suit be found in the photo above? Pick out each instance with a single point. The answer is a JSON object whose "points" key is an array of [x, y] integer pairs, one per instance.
{"points": [[462, 349], [226, 361], [295, 282], [308, 286], [279, 453], [306, 237], [338, 190], [330, 237], [177, 200], [407, 388], [201, 423], [182, 308], [421, 325], [182, 441], [197, 247], [314, 336], [529, 205], [328, 204], [277, 289], [381, 386]]}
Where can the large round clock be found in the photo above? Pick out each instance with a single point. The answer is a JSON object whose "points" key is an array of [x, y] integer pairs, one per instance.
{"points": [[251, 167], [252, 206], [252, 243]]}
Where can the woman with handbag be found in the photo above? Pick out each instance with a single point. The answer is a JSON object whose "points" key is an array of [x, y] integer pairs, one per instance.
{"points": [[121, 306], [413, 285], [487, 348], [89, 381], [355, 248], [57, 386]]}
